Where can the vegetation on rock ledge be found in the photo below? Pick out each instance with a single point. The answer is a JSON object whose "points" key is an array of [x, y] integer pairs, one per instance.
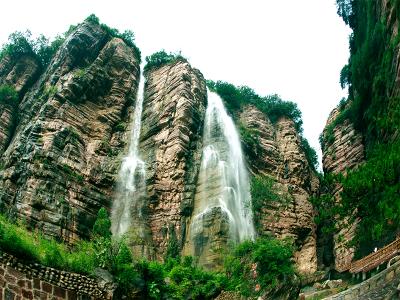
{"points": [[373, 106], [161, 58], [235, 98]]}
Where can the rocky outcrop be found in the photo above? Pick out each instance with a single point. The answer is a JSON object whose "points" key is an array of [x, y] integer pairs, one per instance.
{"points": [[282, 159], [60, 166], [342, 152], [172, 122], [18, 73]]}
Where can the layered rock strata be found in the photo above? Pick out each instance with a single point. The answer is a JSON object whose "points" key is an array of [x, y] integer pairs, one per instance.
{"points": [[282, 158], [61, 164], [172, 122], [18, 73], [344, 153]]}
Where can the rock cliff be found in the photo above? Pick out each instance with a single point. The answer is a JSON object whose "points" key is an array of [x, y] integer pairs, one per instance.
{"points": [[19, 73], [342, 152], [60, 166], [282, 159], [61, 148], [172, 123]]}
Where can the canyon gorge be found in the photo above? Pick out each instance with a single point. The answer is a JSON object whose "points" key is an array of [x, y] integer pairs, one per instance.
{"points": [[190, 167]]}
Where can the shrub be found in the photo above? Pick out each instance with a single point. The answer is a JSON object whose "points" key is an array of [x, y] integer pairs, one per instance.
{"points": [[265, 262], [161, 58], [20, 44], [8, 95], [102, 225]]}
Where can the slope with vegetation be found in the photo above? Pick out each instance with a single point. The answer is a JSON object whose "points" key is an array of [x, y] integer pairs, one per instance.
{"points": [[252, 269], [371, 191]]}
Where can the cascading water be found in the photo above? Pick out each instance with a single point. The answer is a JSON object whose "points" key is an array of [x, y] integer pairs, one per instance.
{"points": [[223, 179], [131, 184]]}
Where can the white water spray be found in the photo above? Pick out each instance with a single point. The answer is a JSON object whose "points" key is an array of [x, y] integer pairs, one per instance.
{"points": [[132, 175], [223, 175]]}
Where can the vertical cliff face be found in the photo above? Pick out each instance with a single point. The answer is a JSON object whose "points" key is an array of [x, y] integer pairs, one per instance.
{"points": [[172, 122], [342, 151], [60, 166], [282, 159], [18, 73]]}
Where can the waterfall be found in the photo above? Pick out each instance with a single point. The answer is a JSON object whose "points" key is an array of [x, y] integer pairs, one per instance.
{"points": [[223, 179], [131, 178]]}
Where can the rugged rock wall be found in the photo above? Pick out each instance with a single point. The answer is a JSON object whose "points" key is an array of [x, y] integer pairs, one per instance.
{"points": [[19, 73], [172, 122], [282, 158], [344, 152], [60, 166]]}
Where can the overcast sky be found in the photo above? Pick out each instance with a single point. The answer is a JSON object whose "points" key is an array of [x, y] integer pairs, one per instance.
{"points": [[290, 47]]}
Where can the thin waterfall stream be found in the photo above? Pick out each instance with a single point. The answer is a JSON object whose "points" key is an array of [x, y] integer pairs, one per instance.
{"points": [[223, 176], [132, 175]]}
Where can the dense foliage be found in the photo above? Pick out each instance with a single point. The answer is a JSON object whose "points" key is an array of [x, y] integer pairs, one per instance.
{"points": [[235, 98], [373, 106], [8, 95], [264, 265], [22, 43], [161, 58], [176, 278]]}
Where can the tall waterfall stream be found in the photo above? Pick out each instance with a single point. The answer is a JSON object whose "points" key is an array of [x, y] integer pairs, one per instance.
{"points": [[223, 175], [131, 178]]}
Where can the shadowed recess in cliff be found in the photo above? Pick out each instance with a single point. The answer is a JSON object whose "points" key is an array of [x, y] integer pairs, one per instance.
{"points": [[223, 186], [131, 184]]}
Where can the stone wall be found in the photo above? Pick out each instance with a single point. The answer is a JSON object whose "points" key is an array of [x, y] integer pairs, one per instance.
{"points": [[19, 280], [381, 286]]}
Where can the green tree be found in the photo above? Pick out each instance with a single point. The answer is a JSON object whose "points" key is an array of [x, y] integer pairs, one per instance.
{"points": [[102, 225]]}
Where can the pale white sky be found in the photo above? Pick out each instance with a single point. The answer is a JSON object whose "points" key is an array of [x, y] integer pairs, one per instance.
{"points": [[290, 47]]}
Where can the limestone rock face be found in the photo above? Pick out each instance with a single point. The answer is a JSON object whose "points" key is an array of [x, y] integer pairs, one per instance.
{"points": [[344, 153], [172, 123], [283, 159], [19, 73], [61, 164]]}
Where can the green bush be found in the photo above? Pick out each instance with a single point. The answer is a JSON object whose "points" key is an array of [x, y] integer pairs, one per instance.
{"points": [[161, 58], [21, 43], [260, 266], [8, 95], [102, 225]]}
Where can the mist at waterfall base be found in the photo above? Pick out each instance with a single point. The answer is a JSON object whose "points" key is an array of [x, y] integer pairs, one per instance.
{"points": [[224, 175], [222, 171], [131, 178]]}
